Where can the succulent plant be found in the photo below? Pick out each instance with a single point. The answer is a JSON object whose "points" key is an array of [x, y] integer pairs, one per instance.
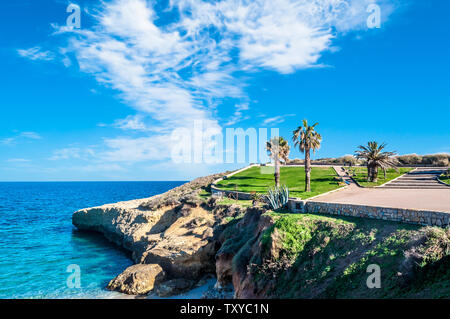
{"points": [[278, 197]]}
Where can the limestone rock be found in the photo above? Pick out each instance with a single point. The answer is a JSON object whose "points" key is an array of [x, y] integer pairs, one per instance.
{"points": [[173, 287], [138, 279]]}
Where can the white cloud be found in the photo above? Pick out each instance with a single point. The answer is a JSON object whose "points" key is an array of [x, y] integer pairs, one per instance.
{"points": [[175, 72], [31, 135], [238, 114], [276, 119], [8, 141], [18, 160], [72, 153], [131, 150], [36, 53], [132, 122], [23, 135]]}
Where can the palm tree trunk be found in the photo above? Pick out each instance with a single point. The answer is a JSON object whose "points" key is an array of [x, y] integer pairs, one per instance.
{"points": [[375, 174], [307, 171], [372, 173], [277, 171]]}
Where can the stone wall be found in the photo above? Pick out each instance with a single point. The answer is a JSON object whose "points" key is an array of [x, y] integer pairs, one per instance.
{"points": [[225, 193], [410, 216]]}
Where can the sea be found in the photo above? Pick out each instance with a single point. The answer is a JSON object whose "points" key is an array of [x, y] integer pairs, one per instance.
{"points": [[42, 255]]}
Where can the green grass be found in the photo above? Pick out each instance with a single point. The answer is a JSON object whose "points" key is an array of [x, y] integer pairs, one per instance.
{"points": [[229, 201], [251, 180], [320, 256], [206, 195], [445, 178], [361, 175]]}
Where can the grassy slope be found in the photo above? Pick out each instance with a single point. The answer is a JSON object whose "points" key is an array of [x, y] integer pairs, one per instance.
{"points": [[315, 256], [361, 175], [322, 180]]}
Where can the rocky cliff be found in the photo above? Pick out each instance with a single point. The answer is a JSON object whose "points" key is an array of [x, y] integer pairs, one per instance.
{"points": [[179, 237], [176, 232]]}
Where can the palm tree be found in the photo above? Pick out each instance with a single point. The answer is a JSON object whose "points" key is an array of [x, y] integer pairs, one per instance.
{"points": [[376, 158], [307, 139], [278, 149]]}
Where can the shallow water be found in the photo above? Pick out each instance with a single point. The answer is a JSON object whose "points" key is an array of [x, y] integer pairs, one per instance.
{"points": [[38, 241]]}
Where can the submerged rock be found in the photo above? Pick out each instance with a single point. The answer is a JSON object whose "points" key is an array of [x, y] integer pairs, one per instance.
{"points": [[138, 279]]}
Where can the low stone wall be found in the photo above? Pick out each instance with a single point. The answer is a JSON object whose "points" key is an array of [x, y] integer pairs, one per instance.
{"points": [[410, 216], [225, 193]]}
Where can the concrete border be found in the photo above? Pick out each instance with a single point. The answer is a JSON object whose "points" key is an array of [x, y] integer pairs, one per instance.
{"points": [[409, 216]]}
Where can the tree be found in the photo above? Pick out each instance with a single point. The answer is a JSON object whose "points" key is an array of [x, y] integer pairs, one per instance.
{"points": [[278, 149], [376, 158], [307, 139]]}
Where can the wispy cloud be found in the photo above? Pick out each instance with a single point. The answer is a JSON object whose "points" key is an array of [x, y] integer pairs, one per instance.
{"points": [[36, 53], [23, 135], [176, 71], [132, 122], [238, 114], [31, 135], [276, 119], [72, 153], [18, 160]]}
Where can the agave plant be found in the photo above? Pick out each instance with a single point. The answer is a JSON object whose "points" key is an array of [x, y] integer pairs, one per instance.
{"points": [[278, 196]]}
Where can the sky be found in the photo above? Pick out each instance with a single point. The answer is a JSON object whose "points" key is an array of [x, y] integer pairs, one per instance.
{"points": [[102, 102]]}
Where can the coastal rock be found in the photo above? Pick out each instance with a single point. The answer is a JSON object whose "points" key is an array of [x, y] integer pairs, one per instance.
{"points": [[138, 279], [187, 248], [173, 287], [175, 230], [224, 270], [126, 225]]}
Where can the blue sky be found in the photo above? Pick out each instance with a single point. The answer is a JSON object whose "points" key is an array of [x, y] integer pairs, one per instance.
{"points": [[100, 102]]}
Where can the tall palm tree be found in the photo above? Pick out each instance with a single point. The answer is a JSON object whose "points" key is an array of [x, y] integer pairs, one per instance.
{"points": [[278, 149], [376, 158], [307, 139]]}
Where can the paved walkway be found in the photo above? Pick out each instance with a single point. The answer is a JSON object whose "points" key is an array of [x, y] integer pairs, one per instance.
{"points": [[435, 199]]}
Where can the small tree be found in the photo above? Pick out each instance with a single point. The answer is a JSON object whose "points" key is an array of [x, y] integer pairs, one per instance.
{"points": [[278, 149], [376, 158]]}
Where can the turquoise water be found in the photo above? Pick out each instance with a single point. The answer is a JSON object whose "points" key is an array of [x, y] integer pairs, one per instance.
{"points": [[38, 241]]}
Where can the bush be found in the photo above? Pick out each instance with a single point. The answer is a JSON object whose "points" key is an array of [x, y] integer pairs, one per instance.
{"points": [[410, 159], [436, 159]]}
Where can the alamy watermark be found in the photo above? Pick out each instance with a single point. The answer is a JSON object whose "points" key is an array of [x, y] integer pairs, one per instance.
{"points": [[374, 279], [74, 20], [74, 279], [374, 19], [203, 144]]}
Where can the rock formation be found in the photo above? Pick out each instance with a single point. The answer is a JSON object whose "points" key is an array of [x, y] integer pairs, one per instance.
{"points": [[176, 231], [138, 279]]}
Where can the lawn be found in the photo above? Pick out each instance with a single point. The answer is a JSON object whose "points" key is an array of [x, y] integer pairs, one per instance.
{"points": [[361, 175], [254, 179], [445, 178]]}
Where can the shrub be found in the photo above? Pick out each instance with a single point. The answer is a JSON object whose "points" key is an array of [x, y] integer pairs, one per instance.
{"points": [[436, 159], [410, 159]]}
